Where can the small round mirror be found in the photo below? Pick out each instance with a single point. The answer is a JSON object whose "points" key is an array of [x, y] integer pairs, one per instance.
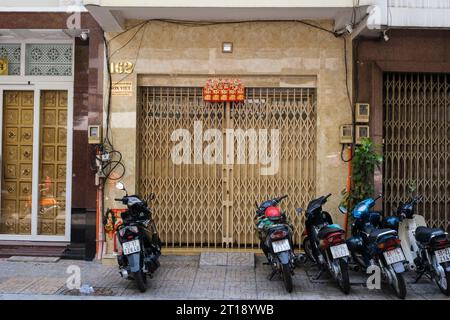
{"points": [[343, 209], [299, 210], [120, 186]]}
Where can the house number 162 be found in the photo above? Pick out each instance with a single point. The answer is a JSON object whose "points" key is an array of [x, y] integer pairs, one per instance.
{"points": [[121, 67]]}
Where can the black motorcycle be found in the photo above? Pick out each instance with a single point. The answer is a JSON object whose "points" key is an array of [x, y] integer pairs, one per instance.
{"points": [[372, 245], [325, 243], [138, 237], [275, 234]]}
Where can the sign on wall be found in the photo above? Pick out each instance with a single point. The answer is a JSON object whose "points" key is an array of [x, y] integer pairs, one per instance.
{"points": [[122, 88], [223, 90], [121, 67]]}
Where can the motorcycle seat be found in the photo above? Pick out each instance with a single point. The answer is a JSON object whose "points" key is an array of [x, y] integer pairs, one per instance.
{"points": [[377, 233], [327, 230], [424, 234]]}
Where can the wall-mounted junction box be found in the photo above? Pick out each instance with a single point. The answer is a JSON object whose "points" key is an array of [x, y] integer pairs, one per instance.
{"points": [[362, 112], [346, 133], [362, 131], [95, 134]]}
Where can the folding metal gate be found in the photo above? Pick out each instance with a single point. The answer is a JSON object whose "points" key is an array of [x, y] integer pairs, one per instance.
{"points": [[213, 205], [417, 143]]}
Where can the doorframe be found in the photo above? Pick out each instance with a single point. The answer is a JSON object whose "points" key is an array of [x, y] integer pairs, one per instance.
{"points": [[37, 88]]}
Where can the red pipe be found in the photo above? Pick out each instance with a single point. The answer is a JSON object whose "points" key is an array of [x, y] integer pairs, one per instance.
{"points": [[349, 185]]}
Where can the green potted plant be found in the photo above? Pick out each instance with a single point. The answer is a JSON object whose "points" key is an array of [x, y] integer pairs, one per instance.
{"points": [[365, 159]]}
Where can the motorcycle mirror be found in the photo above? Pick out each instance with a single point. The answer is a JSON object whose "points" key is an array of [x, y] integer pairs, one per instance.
{"points": [[299, 210], [151, 196], [343, 209], [256, 204], [120, 186]]}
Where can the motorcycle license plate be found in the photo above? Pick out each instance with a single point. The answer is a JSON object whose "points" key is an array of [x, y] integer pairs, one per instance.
{"points": [[394, 256], [442, 255], [131, 247], [339, 251], [282, 245]]}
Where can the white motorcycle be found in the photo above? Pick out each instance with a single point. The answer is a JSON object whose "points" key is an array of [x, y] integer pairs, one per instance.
{"points": [[427, 250]]}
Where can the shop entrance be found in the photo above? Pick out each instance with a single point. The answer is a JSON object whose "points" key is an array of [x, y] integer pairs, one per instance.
{"points": [[417, 143], [212, 205]]}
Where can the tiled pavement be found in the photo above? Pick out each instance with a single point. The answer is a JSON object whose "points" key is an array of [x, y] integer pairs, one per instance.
{"points": [[181, 277]]}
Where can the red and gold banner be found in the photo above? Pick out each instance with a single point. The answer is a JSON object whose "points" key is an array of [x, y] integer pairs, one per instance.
{"points": [[223, 90]]}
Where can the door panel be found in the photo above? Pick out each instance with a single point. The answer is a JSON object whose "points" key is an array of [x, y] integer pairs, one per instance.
{"points": [[15, 217], [52, 163]]}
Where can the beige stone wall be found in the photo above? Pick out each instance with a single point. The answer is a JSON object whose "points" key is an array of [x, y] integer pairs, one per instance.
{"points": [[262, 50]]}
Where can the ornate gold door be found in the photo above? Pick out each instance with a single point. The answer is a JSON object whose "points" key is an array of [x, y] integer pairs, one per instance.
{"points": [[201, 205], [17, 162], [21, 214]]}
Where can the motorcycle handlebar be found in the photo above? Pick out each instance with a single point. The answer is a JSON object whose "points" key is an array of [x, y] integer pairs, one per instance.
{"points": [[379, 196], [281, 198], [327, 196], [118, 199]]}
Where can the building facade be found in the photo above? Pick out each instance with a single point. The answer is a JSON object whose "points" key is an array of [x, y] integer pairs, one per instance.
{"points": [[50, 92], [304, 68], [406, 82], [295, 82]]}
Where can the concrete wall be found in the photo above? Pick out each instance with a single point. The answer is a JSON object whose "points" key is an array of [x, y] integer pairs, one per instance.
{"points": [[271, 50]]}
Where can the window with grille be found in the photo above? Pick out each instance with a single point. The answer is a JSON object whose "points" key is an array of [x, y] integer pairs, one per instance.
{"points": [[48, 59]]}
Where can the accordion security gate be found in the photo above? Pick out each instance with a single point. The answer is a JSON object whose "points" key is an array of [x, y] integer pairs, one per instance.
{"points": [[201, 205], [417, 143]]}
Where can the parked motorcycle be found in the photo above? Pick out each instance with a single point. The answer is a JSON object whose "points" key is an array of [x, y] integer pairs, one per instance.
{"points": [[138, 237], [275, 234], [426, 249], [325, 243], [371, 245]]}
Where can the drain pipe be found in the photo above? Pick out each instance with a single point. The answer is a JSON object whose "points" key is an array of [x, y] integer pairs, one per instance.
{"points": [[99, 224]]}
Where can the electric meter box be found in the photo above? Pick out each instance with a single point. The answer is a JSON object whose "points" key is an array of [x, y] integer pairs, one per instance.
{"points": [[362, 112], [346, 133], [95, 134], [362, 132]]}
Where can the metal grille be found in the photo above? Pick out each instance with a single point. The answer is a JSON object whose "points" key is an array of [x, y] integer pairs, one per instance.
{"points": [[11, 52], [48, 59], [417, 143], [204, 205]]}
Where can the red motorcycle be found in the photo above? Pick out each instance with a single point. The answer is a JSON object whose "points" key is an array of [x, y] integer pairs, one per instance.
{"points": [[275, 234]]}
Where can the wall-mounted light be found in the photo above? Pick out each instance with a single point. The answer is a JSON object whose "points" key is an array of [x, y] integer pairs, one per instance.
{"points": [[349, 28], [385, 36], [227, 47], [84, 35]]}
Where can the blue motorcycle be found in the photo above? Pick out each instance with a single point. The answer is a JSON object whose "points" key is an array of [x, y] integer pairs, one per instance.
{"points": [[371, 245]]}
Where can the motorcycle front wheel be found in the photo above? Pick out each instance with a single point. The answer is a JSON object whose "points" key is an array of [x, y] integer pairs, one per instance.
{"points": [[287, 277], [443, 280], [398, 283], [140, 280]]}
